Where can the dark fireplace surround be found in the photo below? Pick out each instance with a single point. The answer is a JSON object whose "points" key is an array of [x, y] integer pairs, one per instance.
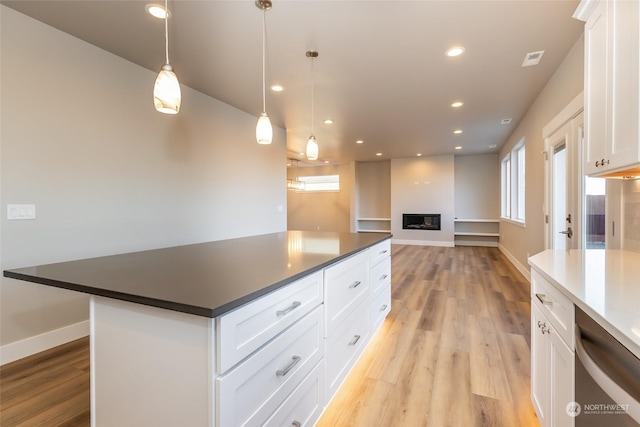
{"points": [[421, 221]]}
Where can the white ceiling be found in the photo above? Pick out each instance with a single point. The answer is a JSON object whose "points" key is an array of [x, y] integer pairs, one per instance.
{"points": [[381, 75]]}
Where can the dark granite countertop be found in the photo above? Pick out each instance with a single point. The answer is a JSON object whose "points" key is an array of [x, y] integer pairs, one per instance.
{"points": [[205, 279]]}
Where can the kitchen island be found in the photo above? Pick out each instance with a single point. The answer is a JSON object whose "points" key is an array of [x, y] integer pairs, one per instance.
{"points": [[248, 331]]}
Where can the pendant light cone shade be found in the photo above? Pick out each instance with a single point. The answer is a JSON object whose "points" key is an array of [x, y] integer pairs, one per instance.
{"points": [[264, 130], [312, 148], [166, 92]]}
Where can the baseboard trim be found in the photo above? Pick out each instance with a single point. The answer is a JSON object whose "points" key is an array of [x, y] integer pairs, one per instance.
{"points": [[517, 264], [423, 243], [476, 243], [32, 345]]}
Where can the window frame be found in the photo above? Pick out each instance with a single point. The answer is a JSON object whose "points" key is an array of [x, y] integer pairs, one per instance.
{"points": [[513, 185], [312, 187]]}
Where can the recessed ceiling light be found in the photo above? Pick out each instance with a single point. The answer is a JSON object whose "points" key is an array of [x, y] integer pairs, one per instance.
{"points": [[457, 131], [156, 11], [378, 154], [532, 58], [457, 104], [505, 121], [493, 146], [458, 148], [359, 141], [277, 88], [419, 154], [455, 51], [328, 122]]}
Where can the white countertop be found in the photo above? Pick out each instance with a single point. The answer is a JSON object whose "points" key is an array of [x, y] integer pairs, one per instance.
{"points": [[604, 283]]}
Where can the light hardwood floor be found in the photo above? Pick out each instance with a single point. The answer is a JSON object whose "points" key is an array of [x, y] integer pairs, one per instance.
{"points": [[454, 351]]}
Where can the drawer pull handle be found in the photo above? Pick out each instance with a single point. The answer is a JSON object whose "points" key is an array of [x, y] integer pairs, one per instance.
{"points": [[355, 284], [293, 306], [384, 251], [355, 339], [285, 371], [384, 276], [543, 299], [296, 424], [383, 308]]}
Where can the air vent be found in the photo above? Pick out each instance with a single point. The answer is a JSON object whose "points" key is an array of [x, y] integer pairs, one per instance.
{"points": [[532, 58], [505, 121]]}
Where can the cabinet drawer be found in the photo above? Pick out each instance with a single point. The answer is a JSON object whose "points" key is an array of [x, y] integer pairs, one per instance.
{"points": [[380, 275], [379, 251], [242, 331], [346, 285], [344, 346], [380, 307], [253, 390], [304, 405], [553, 305]]}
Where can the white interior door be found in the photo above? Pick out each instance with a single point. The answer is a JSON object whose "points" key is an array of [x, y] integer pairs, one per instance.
{"points": [[563, 214]]}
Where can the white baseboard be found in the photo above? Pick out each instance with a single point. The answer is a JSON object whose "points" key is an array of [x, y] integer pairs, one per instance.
{"points": [[476, 243], [521, 268], [422, 243], [32, 345]]}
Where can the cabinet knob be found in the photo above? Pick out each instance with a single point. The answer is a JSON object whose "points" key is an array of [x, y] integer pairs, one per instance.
{"points": [[597, 163]]}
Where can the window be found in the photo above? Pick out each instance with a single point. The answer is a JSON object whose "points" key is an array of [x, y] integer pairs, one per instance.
{"points": [[513, 184], [320, 183]]}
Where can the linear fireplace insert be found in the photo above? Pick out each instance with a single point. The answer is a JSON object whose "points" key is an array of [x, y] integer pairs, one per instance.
{"points": [[421, 221]]}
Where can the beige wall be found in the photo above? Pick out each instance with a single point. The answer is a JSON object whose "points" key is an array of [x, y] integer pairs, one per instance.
{"points": [[567, 82], [631, 215], [423, 185], [476, 180], [373, 189], [108, 174], [324, 211]]}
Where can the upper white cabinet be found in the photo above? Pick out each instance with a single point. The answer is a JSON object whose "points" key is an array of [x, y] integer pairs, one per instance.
{"points": [[612, 77]]}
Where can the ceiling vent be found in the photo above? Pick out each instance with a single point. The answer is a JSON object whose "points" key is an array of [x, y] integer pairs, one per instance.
{"points": [[532, 58], [505, 121]]}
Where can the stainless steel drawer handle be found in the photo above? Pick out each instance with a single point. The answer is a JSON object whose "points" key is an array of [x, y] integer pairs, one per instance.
{"points": [[383, 308], [384, 251], [384, 276], [355, 339], [355, 284], [293, 306], [296, 424], [285, 371], [543, 299]]}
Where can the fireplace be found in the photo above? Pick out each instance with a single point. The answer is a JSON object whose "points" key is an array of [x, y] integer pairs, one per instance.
{"points": [[421, 221]]}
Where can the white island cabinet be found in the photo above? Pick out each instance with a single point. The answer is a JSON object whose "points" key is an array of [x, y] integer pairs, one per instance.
{"points": [[612, 86], [198, 336]]}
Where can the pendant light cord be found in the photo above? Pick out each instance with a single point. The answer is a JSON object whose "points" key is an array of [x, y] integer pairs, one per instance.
{"points": [[166, 29], [312, 85], [264, 43]]}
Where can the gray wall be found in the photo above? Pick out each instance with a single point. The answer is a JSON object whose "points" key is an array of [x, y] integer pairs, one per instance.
{"points": [[567, 82], [631, 214], [423, 185], [477, 187], [108, 174]]}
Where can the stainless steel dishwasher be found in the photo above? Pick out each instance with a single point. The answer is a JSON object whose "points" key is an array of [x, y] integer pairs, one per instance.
{"points": [[607, 388]]}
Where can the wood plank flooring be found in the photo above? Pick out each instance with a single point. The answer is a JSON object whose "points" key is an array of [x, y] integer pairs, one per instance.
{"points": [[454, 351]]}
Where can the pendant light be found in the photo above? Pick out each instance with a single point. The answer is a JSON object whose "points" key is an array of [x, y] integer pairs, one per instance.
{"points": [[264, 131], [166, 92], [312, 144]]}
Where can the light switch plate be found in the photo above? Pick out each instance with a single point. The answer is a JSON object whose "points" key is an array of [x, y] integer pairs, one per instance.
{"points": [[21, 212]]}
